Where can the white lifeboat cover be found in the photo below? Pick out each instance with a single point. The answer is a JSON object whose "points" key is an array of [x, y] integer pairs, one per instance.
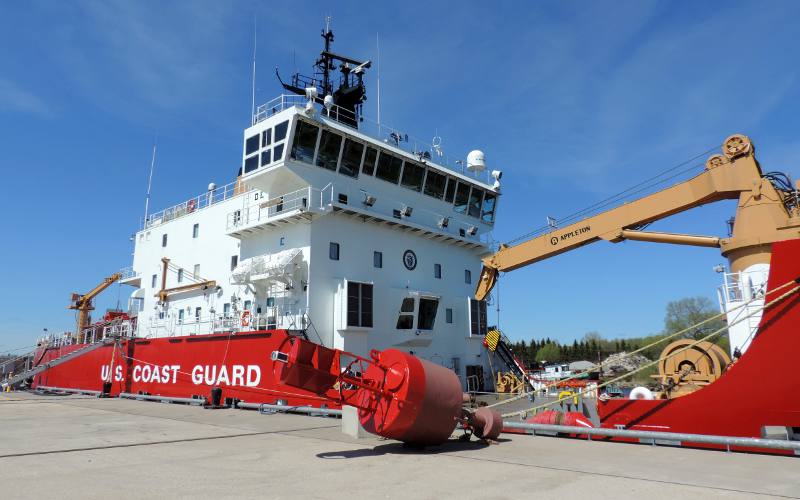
{"points": [[272, 266]]}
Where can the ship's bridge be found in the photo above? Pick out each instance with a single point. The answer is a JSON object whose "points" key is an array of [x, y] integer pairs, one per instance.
{"points": [[303, 159]]}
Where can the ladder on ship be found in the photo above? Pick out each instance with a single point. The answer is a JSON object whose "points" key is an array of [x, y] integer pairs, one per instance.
{"points": [[36, 370], [498, 343]]}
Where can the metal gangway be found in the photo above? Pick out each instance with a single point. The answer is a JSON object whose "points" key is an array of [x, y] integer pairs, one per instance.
{"points": [[16, 379]]}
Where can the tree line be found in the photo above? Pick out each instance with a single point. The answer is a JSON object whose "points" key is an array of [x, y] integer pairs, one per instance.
{"points": [[680, 315]]}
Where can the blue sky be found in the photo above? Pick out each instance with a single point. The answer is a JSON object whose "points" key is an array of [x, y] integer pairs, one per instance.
{"points": [[574, 101]]}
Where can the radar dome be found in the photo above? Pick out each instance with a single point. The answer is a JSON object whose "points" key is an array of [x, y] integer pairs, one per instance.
{"points": [[476, 162]]}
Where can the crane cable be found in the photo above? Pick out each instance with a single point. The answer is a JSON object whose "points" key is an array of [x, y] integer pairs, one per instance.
{"points": [[652, 363], [635, 189], [600, 365]]}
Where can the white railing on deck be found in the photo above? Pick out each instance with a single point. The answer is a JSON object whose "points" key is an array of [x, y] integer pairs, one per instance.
{"points": [[423, 150], [123, 328], [127, 273], [742, 287], [262, 210], [53, 340], [289, 318], [199, 202]]}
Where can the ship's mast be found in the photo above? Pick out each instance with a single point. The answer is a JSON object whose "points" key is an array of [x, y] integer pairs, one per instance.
{"points": [[350, 93]]}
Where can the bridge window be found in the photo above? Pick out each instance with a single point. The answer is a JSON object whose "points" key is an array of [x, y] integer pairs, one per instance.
{"points": [[462, 198], [451, 190], [305, 141], [475, 199], [487, 212], [477, 316], [413, 175], [329, 147], [280, 131], [388, 167], [251, 164], [427, 313], [359, 304], [251, 145], [266, 157], [351, 158], [266, 138], [369, 161], [434, 184], [277, 152], [406, 321]]}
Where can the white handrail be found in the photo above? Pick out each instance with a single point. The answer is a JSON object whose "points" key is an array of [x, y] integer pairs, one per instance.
{"points": [[196, 203]]}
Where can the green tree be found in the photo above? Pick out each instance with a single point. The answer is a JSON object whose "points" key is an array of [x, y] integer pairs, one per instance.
{"points": [[549, 353], [682, 314]]}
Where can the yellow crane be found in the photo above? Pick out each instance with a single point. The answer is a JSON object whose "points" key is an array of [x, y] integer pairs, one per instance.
{"points": [[767, 211], [83, 304], [164, 293]]}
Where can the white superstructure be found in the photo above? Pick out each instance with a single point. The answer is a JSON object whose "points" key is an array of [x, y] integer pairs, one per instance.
{"points": [[358, 242]]}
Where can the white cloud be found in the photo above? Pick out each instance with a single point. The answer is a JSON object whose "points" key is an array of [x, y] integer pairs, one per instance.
{"points": [[16, 99], [137, 57]]}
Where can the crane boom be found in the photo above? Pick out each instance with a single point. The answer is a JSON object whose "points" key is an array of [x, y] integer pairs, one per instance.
{"points": [[762, 217], [164, 293], [83, 304]]}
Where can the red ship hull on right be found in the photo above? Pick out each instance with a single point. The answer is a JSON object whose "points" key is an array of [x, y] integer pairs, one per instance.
{"points": [[760, 391]]}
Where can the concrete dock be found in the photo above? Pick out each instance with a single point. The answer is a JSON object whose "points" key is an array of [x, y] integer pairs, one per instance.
{"points": [[84, 447]]}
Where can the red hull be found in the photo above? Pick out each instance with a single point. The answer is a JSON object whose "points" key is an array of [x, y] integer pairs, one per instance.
{"points": [[180, 367], [759, 390]]}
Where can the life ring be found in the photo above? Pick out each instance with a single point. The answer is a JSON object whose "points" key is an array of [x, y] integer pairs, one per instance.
{"points": [[246, 318], [641, 393], [191, 205]]}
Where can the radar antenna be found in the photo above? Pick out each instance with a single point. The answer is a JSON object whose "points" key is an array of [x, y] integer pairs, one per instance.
{"points": [[350, 93]]}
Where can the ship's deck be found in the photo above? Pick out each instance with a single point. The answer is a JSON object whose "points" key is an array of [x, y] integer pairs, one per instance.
{"points": [[83, 447]]}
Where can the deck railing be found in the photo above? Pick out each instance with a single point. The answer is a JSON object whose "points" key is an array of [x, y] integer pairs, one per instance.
{"points": [[263, 209], [127, 273], [277, 317], [260, 211], [199, 202]]}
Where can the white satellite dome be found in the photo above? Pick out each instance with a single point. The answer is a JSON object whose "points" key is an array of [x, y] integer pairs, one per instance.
{"points": [[476, 161]]}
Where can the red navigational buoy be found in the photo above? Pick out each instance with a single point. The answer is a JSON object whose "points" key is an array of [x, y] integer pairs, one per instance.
{"points": [[398, 395]]}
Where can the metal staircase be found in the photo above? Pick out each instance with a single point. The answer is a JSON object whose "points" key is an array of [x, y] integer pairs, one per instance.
{"points": [[498, 343], [11, 381]]}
